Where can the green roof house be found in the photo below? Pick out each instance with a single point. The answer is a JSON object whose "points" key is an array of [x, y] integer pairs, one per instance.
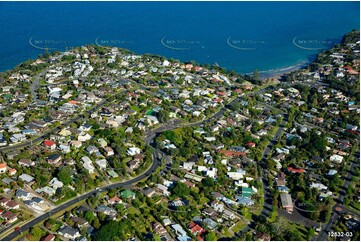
{"points": [[247, 191], [127, 194]]}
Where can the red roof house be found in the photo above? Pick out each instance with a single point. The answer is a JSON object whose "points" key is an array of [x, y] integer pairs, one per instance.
{"points": [[50, 144], [49, 237], [196, 229], [251, 144], [230, 153], [295, 170]]}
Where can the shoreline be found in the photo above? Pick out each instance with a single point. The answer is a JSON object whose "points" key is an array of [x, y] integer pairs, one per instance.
{"points": [[278, 72]]}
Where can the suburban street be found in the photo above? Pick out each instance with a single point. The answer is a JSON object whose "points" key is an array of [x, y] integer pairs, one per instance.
{"points": [[335, 216], [148, 139], [267, 206]]}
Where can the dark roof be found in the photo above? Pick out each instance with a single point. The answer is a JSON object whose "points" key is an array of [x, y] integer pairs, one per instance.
{"points": [[78, 220], [148, 190], [53, 156], [68, 230]]}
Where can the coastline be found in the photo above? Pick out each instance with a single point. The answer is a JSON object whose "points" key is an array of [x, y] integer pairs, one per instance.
{"points": [[278, 72]]}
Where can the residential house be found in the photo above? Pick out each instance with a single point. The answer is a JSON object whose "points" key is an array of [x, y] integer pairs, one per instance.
{"points": [[114, 200], [50, 144], [80, 222], [217, 206], [178, 230], [149, 192], [295, 170], [196, 229], [64, 148], [9, 217], [92, 149], [102, 163], [102, 142], [108, 151], [3, 168], [106, 210], [133, 151], [209, 212], [247, 192], [336, 158], [163, 189], [49, 237], [167, 222], [245, 201], [281, 179], [209, 223], [236, 175], [55, 183], [12, 154], [69, 232], [3, 201], [76, 143], [22, 195], [84, 137], [54, 159], [258, 236], [228, 214], [26, 178], [127, 194], [158, 228], [87, 164], [286, 201], [133, 164]]}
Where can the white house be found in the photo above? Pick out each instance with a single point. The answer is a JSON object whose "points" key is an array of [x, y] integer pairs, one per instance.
{"points": [[55, 183], [336, 158], [133, 151], [84, 137], [188, 165], [102, 163], [163, 189], [236, 175]]}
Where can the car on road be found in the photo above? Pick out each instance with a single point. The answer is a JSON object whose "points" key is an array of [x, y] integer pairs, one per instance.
{"points": [[17, 229]]}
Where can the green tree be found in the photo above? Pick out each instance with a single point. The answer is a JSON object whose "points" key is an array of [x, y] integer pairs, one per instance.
{"points": [[211, 236], [89, 216], [37, 232], [65, 175], [163, 116], [209, 182], [180, 189], [113, 230], [310, 233], [255, 75]]}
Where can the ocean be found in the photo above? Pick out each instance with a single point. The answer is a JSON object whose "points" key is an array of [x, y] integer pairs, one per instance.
{"points": [[269, 36]]}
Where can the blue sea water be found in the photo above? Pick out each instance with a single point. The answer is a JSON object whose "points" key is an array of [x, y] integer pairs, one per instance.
{"points": [[241, 36]]}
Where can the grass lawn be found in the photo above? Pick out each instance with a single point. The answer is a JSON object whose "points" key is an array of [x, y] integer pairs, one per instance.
{"points": [[355, 205], [227, 233], [248, 215], [203, 200], [56, 227], [239, 225], [135, 108], [272, 217], [132, 210]]}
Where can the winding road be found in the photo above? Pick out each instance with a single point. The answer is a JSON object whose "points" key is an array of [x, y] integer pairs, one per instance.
{"points": [[148, 139]]}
